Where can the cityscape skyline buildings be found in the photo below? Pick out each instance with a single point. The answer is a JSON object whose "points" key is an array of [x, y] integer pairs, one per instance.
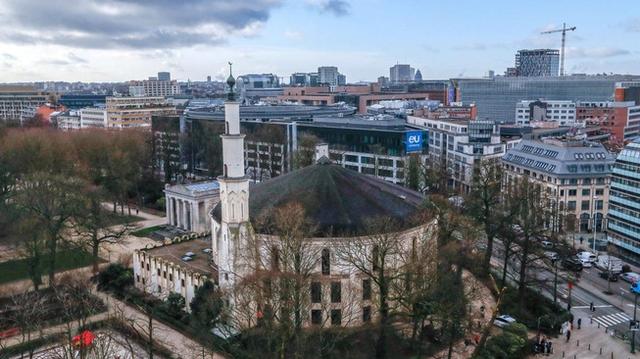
{"points": [[307, 32]]}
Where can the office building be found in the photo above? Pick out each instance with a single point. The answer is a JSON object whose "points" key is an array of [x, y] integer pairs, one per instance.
{"points": [[67, 120], [401, 73], [574, 171], [164, 76], [623, 222], [93, 117], [459, 146], [328, 75], [541, 113], [418, 76], [455, 111], [126, 112], [78, 101], [16, 102], [360, 96], [496, 98], [628, 91], [537, 63], [620, 118]]}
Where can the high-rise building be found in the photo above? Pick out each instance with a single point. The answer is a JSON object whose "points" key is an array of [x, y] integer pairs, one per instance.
{"points": [[538, 62], [418, 76], [400, 73], [624, 203], [497, 98], [164, 76], [328, 75], [154, 87]]}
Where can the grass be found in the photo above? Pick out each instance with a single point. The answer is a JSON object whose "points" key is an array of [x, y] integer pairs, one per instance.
{"points": [[67, 259], [144, 232], [117, 218]]}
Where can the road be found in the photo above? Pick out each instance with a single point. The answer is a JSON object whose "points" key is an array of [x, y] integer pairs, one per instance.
{"points": [[612, 311]]}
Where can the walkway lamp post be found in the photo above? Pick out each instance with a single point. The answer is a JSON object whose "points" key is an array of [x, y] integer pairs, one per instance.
{"points": [[635, 289]]}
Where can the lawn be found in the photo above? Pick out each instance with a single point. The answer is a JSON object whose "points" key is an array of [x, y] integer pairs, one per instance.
{"points": [[65, 259], [117, 218], [144, 232]]}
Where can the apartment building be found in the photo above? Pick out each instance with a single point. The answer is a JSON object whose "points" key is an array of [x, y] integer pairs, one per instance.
{"points": [[620, 118]]}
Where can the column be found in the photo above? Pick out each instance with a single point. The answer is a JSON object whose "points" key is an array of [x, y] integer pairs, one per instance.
{"points": [[167, 205], [184, 215], [179, 213], [197, 227]]}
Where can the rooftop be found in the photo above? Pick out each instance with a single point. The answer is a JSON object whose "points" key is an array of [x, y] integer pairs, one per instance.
{"points": [[337, 200], [173, 253], [194, 189]]}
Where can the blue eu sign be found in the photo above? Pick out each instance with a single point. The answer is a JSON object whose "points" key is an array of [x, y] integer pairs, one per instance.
{"points": [[413, 141]]}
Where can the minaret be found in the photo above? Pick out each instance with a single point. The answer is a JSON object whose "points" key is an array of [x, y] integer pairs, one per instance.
{"points": [[234, 191]]}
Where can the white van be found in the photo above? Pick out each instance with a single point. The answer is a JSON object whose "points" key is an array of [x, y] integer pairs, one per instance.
{"points": [[611, 263]]}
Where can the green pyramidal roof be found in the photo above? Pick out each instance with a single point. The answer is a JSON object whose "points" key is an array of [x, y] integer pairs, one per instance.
{"points": [[336, 200]]}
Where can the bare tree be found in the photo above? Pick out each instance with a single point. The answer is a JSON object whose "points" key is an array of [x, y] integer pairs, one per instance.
{"points": [[25, 314], [376, 257]]}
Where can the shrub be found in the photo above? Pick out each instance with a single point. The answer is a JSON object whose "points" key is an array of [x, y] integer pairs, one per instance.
{"points": [[535, 307], [510, 344], [115, 277]]}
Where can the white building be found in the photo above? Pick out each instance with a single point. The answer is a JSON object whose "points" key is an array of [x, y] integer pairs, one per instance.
{"points": [[93, 117], [15, 100], [188, 205], [67, 120], [460, 145], [541, 112], [154, 87], [125, 112]]}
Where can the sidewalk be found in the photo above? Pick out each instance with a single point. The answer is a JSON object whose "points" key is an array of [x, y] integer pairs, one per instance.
{"points": [[591, 342]]}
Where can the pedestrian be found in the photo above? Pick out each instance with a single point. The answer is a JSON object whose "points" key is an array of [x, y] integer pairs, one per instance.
{"points": [[568, 335], [591, 308], [137, 211], [579, 322], [550, 345], [581, 239], [482, 310]]}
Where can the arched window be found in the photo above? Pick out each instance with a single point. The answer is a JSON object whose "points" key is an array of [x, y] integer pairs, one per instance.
{"points": [[326, 261], [225, 171], [226, 127]]}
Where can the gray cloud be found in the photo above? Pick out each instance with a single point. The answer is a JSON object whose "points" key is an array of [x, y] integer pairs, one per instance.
{"points": [[70, 59], [137, 24], [335, 7], [8, 57]]}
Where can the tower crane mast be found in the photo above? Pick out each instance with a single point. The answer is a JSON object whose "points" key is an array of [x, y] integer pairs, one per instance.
{"points": [[564, 39]]}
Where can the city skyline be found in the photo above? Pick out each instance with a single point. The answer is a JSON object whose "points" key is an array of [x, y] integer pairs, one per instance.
{"points": [[91, 41]]}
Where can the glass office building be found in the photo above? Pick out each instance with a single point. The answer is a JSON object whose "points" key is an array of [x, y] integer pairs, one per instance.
{"points": [[496, 98], [539, 62], [624, 203]]}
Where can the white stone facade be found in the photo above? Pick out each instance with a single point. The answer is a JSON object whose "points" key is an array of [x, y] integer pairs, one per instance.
{"points": [[188, 205]]}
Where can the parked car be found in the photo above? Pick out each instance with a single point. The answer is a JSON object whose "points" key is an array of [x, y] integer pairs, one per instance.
{"points": [[553, 256], [546, 244], [504, 320], [611, 263], [585, 263], [587, 255], [572, 263], [630, 277], [610, 276], [207, 250], [189, 254], [187, 258]]}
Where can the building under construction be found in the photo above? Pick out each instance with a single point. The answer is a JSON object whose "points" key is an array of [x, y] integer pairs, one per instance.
{"points": [[537, 63]]}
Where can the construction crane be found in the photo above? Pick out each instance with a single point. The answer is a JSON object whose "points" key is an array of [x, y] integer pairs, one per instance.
{"points": [[564, 36]]}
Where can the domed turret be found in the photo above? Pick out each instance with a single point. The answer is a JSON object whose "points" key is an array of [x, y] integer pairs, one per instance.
{"points": [[231, 82]]}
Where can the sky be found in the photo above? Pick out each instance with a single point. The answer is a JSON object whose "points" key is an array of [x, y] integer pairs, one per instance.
{"points": [[119, 40]]}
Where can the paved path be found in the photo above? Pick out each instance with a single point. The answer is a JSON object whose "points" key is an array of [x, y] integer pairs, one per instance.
{"points": [[593, 337], [181, 346]]}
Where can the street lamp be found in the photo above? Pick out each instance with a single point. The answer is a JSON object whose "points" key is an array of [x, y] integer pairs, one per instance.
{"points": [[595, 198], [635, 289]]}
